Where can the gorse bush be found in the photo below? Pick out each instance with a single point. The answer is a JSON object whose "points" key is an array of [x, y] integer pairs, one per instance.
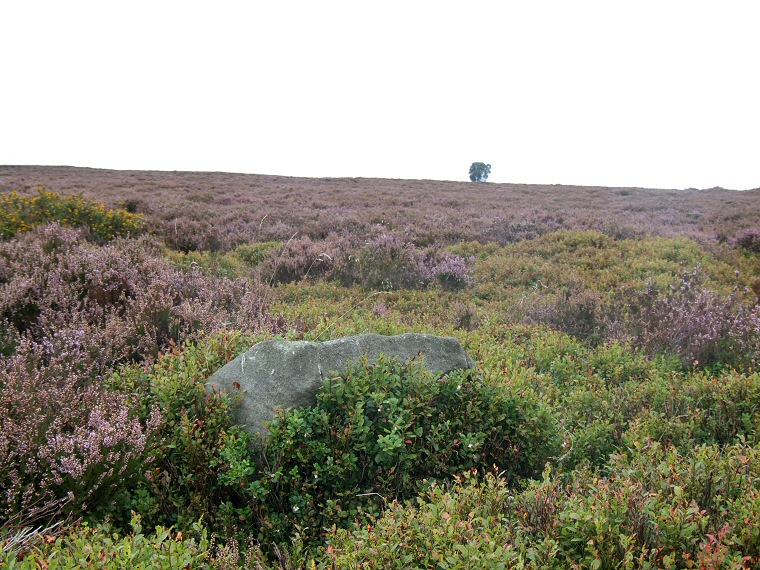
{"points": [[383, 432], [22, 213]]}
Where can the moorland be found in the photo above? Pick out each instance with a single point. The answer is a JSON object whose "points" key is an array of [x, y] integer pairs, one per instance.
{"points": [[612, 420]]}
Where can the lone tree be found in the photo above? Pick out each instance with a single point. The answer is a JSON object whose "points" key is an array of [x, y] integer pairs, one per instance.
{"points": [[479, 171]]}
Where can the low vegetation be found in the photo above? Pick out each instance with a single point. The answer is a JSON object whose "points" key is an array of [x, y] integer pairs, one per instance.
{"points": [[612, 421]]}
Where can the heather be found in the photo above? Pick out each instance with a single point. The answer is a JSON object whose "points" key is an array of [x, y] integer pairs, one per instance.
{"points": [[612, 420], [124, 300], [219, 211], [73, 311]]}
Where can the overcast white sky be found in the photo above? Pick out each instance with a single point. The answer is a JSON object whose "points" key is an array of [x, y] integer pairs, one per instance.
{"points": [[648, 93]]}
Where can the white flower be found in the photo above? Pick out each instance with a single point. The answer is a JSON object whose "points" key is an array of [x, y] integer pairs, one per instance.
{"points": [[295, 508], [469, 445]]}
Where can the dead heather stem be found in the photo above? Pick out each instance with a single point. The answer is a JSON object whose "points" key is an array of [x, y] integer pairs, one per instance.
{"points": [[19, 533]]}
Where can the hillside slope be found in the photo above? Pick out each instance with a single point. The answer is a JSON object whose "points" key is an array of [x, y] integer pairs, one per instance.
{"points": [[239, 208]]}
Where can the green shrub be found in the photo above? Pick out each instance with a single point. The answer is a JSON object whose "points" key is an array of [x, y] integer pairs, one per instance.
{"points": [[697, 408], [591, 444], [655, 508], [383, 432], [455, 529], [100, 547], [255, 253], [189, 476], [721, 484]]}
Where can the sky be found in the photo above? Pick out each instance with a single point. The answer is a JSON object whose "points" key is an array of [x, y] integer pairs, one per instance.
{"points": [[659, 94]]}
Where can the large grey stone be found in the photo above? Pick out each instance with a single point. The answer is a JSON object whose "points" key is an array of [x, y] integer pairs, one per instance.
{"points": [[288, 374]]}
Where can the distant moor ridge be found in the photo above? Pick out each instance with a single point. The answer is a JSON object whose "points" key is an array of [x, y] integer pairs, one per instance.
{"points": [[229, 209]]}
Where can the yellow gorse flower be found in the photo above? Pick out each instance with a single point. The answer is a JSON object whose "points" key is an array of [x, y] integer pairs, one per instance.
{"points": [[21, 213]]}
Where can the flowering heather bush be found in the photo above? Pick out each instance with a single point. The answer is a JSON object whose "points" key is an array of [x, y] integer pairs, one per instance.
{"points": [[187, 235], [389, 261], [301, 257], [21, 213], [427, 211], [125, 298], [698, 325], [62, 439], [73, 311], [510, 230], [386, 261], [450, 271], [653, 461], [576, 310], [749, 240]]}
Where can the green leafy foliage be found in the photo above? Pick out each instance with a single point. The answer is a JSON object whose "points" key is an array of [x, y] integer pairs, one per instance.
{"points": [[453, 528], [198, 452], [654, 508], [101, 547], [254, 254], [383, 432], [479, 171]]}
